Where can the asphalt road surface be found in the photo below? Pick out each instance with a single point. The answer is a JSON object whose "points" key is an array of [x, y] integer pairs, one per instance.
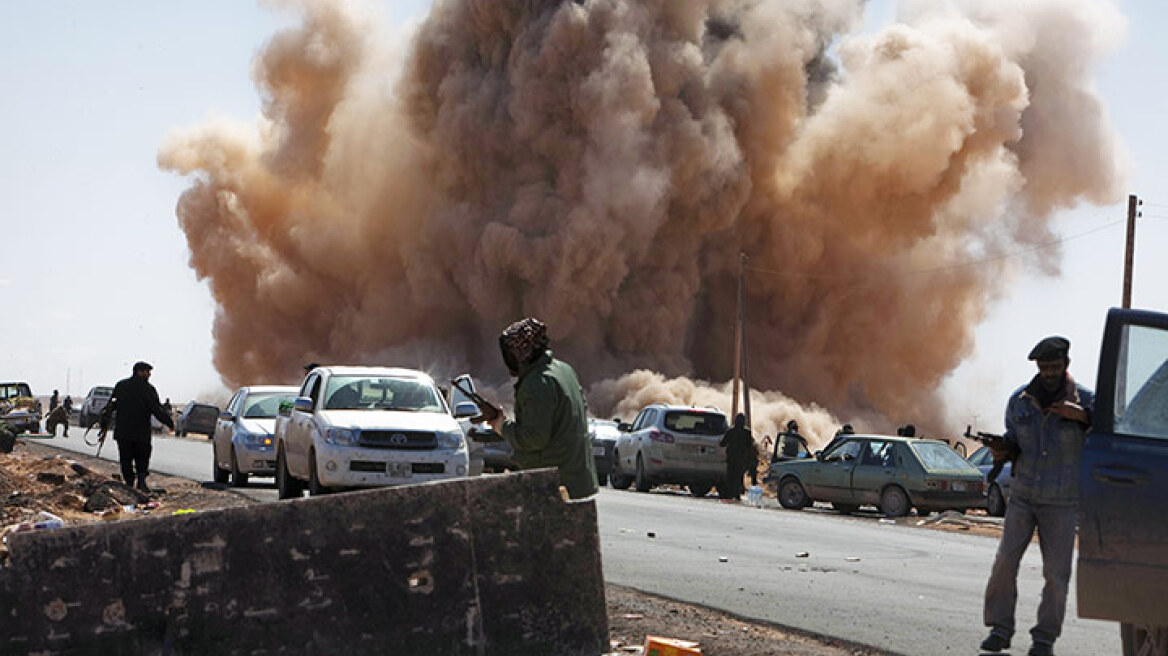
{"points": [[912, 591]]}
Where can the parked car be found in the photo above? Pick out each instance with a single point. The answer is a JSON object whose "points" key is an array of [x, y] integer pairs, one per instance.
{"points": [[998, 492], [603, 435], [672, 444], [1123, 485], [243, 445], [93, 404], [197, 418], [19, 407], [364, 427], [892, 473]]}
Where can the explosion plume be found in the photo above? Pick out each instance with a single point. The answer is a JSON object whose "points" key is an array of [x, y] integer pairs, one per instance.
{"points": [[600, 164]]}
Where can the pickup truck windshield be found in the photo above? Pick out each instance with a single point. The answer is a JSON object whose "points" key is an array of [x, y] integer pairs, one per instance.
{"points": [[13, 390], [381, 393]]}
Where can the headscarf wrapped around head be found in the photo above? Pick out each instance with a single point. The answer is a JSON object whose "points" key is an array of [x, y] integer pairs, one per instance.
{"points": [[522, 342]]}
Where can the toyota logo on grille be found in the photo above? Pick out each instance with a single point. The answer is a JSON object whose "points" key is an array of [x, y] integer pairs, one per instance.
{"points": [[398, 439]]}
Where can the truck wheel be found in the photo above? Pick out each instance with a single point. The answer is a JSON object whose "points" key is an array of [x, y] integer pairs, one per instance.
{"points": [[286, 486], [315, 488], [642, 479], [217, 473], [238, 478], [894, 502], [1143, 640], [791, 494]]}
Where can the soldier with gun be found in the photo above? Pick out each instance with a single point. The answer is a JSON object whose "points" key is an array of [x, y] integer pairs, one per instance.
{"points": [[1046, 423], [550, 428]]}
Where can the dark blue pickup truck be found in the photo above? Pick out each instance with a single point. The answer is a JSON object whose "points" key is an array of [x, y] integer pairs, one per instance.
{"points": [[1123, 530]]}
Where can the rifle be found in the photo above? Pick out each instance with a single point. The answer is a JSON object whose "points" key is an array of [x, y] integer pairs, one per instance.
{"points": [[105, 421], [996, 443], [487, 411]]}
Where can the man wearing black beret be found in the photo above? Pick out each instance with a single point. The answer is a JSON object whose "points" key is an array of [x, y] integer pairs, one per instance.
{"points": [[1046, 423]]}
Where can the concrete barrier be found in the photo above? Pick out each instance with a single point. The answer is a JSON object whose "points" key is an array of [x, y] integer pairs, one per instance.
{"points": [[494, 565]]}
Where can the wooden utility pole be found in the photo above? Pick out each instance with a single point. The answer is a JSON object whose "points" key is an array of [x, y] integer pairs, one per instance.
{"points": [[1133, 204], [742, 333], [738, 337]]}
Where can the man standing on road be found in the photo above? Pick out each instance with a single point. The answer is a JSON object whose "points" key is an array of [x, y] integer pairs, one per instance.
{"points": [[134, 401], [53, 400], [1046, 423], [550, 428], [741, 457]]}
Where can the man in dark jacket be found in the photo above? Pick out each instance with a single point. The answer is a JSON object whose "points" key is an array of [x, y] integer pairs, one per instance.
{"points": [[741, 457], [1046, 423], [134, 401], [550, 428]]}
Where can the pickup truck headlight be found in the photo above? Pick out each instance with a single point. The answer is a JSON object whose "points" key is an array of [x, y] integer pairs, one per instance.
{"points": [[450, 440], [342, 436]]}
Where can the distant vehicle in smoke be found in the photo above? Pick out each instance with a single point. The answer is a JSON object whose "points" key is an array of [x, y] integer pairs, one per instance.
{"points": [[94, 401], [670, 444], [997, 492], [197, 418], [354, 427], [895, 474], [244, 444], [604, 435]]}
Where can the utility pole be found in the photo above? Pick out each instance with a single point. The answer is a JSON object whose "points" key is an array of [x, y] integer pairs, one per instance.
{"points": [[742, 331], [738, 337], [1133, 204]]}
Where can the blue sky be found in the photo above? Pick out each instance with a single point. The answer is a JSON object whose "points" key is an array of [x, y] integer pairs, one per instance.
{"points": [[94, 274]]}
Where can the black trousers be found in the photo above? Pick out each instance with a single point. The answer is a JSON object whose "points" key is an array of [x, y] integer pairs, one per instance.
{"points": [[135, 460]]}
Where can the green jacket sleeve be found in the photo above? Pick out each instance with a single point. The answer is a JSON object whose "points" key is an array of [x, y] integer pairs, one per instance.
{"points": [[535, 407]]}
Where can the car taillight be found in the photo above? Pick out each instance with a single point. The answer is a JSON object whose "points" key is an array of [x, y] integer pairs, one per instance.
{"points": [[658, 436], [933, 484]]}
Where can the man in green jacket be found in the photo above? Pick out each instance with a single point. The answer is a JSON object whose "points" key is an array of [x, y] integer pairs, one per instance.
{"points": [[550, 428]]}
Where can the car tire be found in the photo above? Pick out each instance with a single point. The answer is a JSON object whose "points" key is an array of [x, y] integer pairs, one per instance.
{"points": [[218, 474], [791, 494], [995, 502], [699, 490], [315, 487], [238, 478], [894, 502], [286, 486], [1143, 640], [601, 479], [619, 479], [845, 508], [642, 479]]}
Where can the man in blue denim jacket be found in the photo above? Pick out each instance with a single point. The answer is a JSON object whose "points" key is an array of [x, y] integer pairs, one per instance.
{"points": [[1046, 423]]}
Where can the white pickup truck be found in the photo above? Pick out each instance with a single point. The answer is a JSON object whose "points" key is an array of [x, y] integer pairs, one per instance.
{"points": [[356, 427]]}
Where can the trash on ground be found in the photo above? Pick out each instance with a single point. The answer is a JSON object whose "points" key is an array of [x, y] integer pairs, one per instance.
{"points": [[802, 554], [723, 559], [658, 646], [852, 559]]}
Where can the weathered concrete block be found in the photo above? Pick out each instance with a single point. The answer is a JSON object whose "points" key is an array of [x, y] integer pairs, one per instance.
{"points": [[483, 566]]}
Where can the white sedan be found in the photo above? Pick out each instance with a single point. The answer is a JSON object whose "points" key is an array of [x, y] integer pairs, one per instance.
{"points": [[243, 443]]}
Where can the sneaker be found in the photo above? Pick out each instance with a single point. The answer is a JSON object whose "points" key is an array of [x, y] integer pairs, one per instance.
{"points": [[1041, 649], [995, 643]]}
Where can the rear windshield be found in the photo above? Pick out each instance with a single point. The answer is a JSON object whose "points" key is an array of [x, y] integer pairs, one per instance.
{"points": [[696, 422], [265, 406], [940, 457], [103, 391], [204, 412], [381, 393]]}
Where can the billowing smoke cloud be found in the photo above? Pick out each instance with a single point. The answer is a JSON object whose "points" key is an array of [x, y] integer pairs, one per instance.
{"points": [[600, 164]]}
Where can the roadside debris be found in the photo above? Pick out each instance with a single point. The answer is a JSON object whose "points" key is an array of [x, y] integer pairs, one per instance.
{"points": [[958, 520], [802, 554], [658, 646]]}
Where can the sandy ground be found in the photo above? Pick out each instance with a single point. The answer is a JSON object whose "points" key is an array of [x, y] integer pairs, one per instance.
{"points": [[81, 489]]}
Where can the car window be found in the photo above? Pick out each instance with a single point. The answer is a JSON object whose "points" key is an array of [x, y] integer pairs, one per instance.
{"points": [[877, 454], [264, 406], [234, 403], [849, 448], [936, 456], [1141, 389], [381, 393], [204, 413], [13, 390], [981, 457], [313, 387], [695, 422]]}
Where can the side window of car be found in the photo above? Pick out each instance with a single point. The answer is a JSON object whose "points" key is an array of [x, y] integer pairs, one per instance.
{"points": [[235, 404], [314, 392], [640, 422], [874, 454]]}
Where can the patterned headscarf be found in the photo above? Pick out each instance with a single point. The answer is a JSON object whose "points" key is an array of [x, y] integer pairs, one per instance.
{"points": [[522, 341]]}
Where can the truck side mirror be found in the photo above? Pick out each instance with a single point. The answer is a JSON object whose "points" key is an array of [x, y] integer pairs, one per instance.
{"points": [[302, 404], [466, 409]]}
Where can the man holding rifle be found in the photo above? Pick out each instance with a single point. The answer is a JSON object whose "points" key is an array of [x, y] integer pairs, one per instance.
{"points": [[550, 428], [1046, 423]]}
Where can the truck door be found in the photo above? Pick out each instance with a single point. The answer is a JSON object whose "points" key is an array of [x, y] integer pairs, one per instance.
{"points": [[1123, 535]]}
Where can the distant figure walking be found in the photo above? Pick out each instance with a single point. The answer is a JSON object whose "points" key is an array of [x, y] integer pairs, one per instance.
{"points": [[741, 457], [58, 417], [134, 401], [53, 401]]}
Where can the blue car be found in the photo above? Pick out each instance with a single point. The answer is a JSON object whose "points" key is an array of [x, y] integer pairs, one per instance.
{"points": [[1123, 485], [997, 492]]}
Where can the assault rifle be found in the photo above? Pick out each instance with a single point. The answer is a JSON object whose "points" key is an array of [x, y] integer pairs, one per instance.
{"points": [[487, 411], [105, 421], [996, 443]]}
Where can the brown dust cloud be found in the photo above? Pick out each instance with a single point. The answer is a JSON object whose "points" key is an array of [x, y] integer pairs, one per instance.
{"points": [[600, 164]]}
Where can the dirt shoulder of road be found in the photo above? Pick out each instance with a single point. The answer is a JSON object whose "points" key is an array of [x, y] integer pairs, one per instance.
{"points": [[37, 478]]}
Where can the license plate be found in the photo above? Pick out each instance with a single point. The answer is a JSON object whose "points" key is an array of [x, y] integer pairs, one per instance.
{"points": [[598, 451], [400, 469], [959, 486]]}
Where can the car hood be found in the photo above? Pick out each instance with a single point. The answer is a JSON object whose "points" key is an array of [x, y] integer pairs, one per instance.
{"points": [[259, 426], [389, 420]]}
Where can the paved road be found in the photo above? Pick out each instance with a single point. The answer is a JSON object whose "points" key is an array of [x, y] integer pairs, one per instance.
{"points": [[912, 591]]}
